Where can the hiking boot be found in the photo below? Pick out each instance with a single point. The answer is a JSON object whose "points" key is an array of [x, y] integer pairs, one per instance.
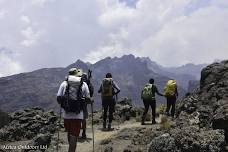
{"points": [[154, 122], [104, 125], [84, 135], [143, 123], [167, 113], [109, 126]]}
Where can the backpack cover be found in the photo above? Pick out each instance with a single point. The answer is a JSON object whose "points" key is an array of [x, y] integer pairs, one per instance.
{"points": [[170, 88], [107, 87], [73, 95], [147, 92]]}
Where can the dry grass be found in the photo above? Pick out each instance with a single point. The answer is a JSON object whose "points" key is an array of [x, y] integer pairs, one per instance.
{"points": [[165, 122], [160, 110]]}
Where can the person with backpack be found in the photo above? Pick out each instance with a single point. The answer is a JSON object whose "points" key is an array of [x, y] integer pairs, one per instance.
{"points": [[86, 79], [108, 90], [148, 97], [72, 93], [171, 94]]}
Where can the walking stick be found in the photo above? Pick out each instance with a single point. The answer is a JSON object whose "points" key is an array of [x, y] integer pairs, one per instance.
{"points": [[59, 128], [92, 125]]}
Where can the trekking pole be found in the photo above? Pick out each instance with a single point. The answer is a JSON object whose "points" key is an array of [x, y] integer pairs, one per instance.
{"points": [[92, 125], [59, 128]]}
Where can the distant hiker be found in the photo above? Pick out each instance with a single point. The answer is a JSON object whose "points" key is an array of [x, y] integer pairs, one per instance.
{"points": [[148, 97], [72, 93], [86, 79], [108, 90], [171, 94]]}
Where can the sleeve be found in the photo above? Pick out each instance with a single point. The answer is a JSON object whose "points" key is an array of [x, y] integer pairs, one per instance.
{"points": [[176, 92], [91, 89], [85, 90], [100, 89], [116, 87], [156, 90], [62, 89]]}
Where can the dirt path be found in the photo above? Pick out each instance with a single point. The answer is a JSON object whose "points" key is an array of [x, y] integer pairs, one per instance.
{"points": [[100, 135]]}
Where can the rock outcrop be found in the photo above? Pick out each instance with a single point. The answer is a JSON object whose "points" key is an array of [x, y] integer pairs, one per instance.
{"points": [[28, 123], [202, 117], [4, 119]]}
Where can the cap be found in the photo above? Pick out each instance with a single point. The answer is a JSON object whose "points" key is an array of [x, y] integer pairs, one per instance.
{"points": [[73, 71]]}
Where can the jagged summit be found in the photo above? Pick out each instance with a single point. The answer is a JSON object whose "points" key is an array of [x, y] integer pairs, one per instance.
{"points": [[39, 87]]}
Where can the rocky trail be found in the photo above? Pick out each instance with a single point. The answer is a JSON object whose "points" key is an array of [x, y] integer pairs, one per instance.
{"points": [[115, 140]]}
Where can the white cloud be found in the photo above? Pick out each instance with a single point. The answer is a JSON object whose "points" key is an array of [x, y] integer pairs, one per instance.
{"points": [[31, 36], [169, 32], [50, 33], [2, 14], [41, 2], [25, 19], [8, 65]]}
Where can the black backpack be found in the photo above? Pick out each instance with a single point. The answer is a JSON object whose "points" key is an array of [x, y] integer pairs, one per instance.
{"points": [[73, 99]]}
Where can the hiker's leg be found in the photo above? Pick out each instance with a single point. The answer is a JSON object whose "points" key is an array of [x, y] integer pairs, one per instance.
{"points": [[168, 105], [68, 137], [105, 108], [84, 128], [67, 128], [153, 107], [111, 111], [146, 105], [73, 128], [72, 143], [173, 106]]}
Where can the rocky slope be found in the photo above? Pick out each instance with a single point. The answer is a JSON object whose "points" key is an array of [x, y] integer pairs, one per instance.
{"points": [[200, 114], [200, 124]]}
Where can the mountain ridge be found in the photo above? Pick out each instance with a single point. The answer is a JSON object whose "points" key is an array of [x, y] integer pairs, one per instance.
{"points": [[39, 87]]}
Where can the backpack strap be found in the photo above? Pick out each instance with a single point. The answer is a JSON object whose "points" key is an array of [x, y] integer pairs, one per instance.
{"points": [[79, 93]]}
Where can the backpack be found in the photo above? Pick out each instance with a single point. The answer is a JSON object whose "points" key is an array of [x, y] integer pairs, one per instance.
{"points": [[107, 87], [73, 100], [147, 92], [170, 88]]}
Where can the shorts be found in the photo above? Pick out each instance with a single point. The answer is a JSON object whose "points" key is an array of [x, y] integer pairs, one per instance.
{"points": [[73, 126]]}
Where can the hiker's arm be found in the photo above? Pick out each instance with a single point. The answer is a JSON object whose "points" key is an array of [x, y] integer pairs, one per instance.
{"points": [[61, 92], [91, 89], [116, 87], [100, 89], [176, 92], [86, 93], [142, 94], [156, 90]]}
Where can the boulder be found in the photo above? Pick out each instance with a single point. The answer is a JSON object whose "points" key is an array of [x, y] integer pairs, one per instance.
{"points": [[41, 143]]}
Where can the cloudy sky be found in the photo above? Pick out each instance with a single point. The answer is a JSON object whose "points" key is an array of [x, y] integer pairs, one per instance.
{"points": [[54, 33]]}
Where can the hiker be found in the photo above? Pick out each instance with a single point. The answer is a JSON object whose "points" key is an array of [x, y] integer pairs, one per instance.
{"points": [[171, 94], [108, 90], [71, 95], [86, 79], [148, 97]]}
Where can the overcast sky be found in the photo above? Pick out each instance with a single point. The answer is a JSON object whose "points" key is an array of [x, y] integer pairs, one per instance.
{"points": [[53, 33]]}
